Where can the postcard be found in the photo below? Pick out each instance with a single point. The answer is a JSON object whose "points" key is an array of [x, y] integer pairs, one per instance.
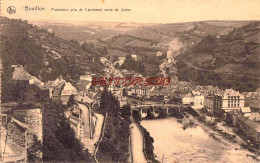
{"points": [[170, 81]]}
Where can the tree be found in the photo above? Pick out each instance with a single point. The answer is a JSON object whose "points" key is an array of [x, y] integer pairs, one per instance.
{"points": [[35, 150], [65, 133], [66, 136], [71, 101], [115, 58], [124, 92], [126, 111]]}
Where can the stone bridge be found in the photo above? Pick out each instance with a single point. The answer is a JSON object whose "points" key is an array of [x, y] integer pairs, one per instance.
{"points": [[158, 110]]}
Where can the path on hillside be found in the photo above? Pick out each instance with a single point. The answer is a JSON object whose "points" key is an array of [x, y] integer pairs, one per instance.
{"points": [[137, 144], [227, 73]]}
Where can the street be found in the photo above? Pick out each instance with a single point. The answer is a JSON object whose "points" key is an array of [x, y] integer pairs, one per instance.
{"points": [[137, 144], [87, 142]]}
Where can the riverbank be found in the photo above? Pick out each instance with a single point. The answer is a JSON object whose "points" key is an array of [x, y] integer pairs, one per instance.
{"points": [[175, 143], [137, 144], [226, 135], [148, 148], [228, 132]]}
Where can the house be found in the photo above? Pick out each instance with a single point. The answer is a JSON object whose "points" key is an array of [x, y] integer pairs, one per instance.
{"points": [[187, 99], [76, 125], [74, 114], [209, 103], [103, 60], [63, 92], [134, 56], [198, 102], [227, 100], [36, 81], [195, 99], [250, 125], [170, 58], [157, 94], [83, 85], [140, 92], [143, 92], [51, 85], [159, 53], [85, 77], [67, 91], [21, 74], [120, 61]]}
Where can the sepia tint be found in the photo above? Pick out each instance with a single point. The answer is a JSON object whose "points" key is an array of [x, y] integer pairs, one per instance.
{"points": [[167, 81]]}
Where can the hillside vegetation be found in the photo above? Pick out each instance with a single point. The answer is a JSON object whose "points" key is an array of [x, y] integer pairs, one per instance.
{"points": [[206, 51], [231, 60], [43, 54]]}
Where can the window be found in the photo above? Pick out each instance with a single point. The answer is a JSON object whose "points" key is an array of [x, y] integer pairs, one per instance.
{"points": [[228, 105]]}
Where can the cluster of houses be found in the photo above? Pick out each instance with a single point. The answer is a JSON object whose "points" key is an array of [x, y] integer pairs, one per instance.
{"points": [[238, 108], [242, 110]]}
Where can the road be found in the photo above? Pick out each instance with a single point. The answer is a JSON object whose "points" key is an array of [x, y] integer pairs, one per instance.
{"points": [[137, 144], [87, 142], [227, 73], [86, 121]]}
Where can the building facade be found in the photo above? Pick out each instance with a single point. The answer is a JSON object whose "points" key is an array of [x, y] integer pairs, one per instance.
{"points": [[228, 100]]}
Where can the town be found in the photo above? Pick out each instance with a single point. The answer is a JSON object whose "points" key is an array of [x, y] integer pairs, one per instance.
{"points": [[234, 115], [83, 91]]}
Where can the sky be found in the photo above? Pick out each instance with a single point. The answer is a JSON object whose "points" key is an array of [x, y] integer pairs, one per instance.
{"points": [[142, 11]]}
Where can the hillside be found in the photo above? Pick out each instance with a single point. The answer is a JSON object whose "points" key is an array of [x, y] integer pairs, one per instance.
{"points": [[42, 54], [230, 60], [227, 50]]}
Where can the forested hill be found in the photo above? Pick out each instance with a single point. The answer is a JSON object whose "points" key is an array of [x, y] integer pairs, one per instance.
{"points": [[42, 53], [231, 60]]}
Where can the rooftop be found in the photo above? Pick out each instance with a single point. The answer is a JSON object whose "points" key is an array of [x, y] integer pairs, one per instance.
{"points": [[20, 73]]}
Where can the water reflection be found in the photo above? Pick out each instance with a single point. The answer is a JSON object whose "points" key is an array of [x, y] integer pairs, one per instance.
{"points": [[174, 143]]}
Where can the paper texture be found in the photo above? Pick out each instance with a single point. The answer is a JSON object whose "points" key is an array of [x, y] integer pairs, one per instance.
{"points": [[130, 81]]}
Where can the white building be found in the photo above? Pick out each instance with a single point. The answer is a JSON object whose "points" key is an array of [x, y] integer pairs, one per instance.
{"points": [[194, 99], [103, 60], [228, 100], [86, 77], [170, 58], [159, 53], [134, 56], [121, 61]]}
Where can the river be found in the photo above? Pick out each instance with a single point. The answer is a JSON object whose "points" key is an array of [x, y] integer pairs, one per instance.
{"points": [[172, 143]]}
